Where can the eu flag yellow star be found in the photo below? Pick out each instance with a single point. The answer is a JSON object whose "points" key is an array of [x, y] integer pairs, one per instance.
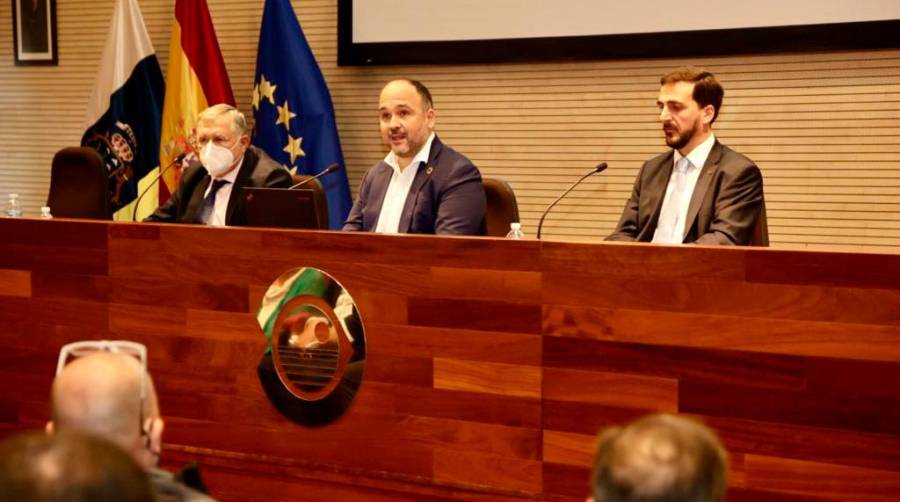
{"points": [[254, 99], [267, 89], [284, 116], [293, 148]]}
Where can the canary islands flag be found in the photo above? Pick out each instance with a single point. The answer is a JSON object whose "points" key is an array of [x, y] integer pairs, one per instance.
{"points": [[123, 115], [294, 114]]}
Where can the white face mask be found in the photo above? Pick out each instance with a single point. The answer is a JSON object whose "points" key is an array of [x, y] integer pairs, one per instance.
{"points": [[216, 159]]}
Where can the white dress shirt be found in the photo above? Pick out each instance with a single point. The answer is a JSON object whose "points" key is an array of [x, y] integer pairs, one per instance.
{"points": [[398, 189], [672, 218], [220, 209]]}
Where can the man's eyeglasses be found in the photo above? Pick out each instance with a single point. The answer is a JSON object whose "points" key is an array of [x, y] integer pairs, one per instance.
{"points": [[74, 350]]}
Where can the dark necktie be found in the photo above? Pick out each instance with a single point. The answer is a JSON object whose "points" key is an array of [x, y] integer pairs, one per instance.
{"points": [[209, 203]]}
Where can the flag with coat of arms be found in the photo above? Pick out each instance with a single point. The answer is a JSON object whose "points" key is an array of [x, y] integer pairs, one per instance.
{"points": [[196, 79], [125, 108]]}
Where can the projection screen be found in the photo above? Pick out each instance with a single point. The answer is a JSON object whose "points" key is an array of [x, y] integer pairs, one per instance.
{"points": [[479, 31]]}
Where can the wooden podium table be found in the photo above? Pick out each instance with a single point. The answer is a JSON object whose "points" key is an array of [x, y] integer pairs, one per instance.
{"points": [[491, 364]]}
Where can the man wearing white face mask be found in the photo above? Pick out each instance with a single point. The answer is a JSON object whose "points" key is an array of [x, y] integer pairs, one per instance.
{"points": [[212, 193]]}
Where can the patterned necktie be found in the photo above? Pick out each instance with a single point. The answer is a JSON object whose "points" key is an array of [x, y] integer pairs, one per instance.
{"points": [[209, 203], [667, 227]]}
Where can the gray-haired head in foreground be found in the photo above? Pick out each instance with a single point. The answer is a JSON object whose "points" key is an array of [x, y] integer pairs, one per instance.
{"points": [[660, 458]]}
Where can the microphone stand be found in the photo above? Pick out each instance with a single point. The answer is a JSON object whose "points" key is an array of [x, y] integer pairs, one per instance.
{"points": [[137, 203], [330, 169], [600, 168]]}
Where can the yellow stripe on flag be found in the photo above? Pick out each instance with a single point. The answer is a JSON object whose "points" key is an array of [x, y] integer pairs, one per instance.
{"points": [[184, 101]]}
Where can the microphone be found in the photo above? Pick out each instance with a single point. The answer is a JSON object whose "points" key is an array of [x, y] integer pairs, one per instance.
{"points": [[330, 169], [177, 160], [599, 169]]}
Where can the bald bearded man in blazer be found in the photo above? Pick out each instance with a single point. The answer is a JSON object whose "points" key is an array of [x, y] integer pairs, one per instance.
{"points": [[422, 186]]}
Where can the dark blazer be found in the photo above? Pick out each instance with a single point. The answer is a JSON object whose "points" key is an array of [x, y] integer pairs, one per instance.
{"points": [[257, 170], [726, 203], [446, 196]]}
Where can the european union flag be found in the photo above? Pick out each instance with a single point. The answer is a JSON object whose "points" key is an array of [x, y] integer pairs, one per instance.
{"points": [[294, 114]]}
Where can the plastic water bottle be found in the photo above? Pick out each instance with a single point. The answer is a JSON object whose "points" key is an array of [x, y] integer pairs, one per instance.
{"points": [[515, 231], [14, 207], [45, 213]]}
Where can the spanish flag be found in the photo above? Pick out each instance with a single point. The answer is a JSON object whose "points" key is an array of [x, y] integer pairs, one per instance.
{"points": [[195, 79]]}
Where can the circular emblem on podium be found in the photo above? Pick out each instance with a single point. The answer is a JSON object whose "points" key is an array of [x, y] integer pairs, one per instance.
{"points": [[314, 361]]}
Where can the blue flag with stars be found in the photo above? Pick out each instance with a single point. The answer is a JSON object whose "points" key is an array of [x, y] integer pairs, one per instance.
{"points": [[294, 115]]}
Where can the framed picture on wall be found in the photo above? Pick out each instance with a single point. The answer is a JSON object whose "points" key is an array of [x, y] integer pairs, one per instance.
{"points": [[34, 32]]}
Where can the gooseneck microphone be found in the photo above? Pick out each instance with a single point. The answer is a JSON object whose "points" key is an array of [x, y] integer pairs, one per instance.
{"points": [[330, 169], [177, 160], [600, 168]]}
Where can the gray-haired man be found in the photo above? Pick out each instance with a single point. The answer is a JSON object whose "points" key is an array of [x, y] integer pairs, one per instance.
{"points": [[211, 193]]}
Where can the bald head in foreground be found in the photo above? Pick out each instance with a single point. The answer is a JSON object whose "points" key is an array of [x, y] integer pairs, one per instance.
{"points": [[660, 458], [100, 394]]}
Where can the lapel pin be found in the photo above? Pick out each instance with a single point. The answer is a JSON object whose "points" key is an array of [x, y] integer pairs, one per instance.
{"points": [[429, 170]]}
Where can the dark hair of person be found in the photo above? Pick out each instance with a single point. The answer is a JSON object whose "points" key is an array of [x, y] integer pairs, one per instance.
{"points": [[422, 91], [707, 90], [70, 467]]}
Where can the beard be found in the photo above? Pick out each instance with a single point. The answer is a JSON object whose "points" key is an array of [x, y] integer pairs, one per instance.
{"points": [[680, 139]]}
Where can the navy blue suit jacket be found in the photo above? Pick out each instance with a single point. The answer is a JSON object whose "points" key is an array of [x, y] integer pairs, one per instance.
{"points": [[446, 196]]}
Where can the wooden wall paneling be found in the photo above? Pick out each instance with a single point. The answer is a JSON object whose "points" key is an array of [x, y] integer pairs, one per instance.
{"points": [[820, 397], [394, 371], [489, 378], [828, 445], [81, 251], [520, 475], [795, 302], [569, 448], [618, 389], [489, 392], [566, 482], [839, 482], [513, 411], [815, 338], [461, 344], [15, 283], [295, 480]]}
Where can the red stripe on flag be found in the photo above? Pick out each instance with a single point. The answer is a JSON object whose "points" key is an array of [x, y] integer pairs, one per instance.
{"points": [[200, 46]]}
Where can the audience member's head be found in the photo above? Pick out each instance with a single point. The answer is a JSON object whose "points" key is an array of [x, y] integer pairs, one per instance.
{"points": [[660, 458], [69, 467], [109, 394]]}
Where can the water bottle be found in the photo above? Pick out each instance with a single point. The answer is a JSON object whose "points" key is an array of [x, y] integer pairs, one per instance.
{"points": [[515, 231], [45, 213], [14, 207]]}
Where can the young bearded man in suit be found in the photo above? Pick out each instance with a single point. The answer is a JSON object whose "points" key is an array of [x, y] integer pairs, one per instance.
{"points": [[701, 191]]}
